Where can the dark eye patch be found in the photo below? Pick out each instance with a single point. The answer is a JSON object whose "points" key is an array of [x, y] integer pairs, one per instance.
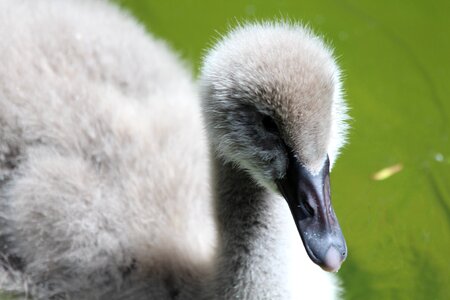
{"points": [[269, 124]]}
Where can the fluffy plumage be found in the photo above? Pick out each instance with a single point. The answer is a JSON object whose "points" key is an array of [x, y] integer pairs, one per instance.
{"points": [[290, 74], [104, 165], [93, 114], [281, 72]]}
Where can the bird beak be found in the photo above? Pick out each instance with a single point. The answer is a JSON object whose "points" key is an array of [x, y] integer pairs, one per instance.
{"points": [[309, 199]]}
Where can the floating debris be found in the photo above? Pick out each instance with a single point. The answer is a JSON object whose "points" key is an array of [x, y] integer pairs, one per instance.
{"points": [[387, 172], [439, 157]]}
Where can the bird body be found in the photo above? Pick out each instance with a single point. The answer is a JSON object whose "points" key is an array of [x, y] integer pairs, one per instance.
{"points": [[86, 134], [109, 188]]}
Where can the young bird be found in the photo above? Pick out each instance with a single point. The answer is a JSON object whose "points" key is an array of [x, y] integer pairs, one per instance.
{"points": [[120, 178]]}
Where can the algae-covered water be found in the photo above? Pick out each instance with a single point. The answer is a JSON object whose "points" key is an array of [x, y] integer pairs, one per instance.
{"points": [[395, 57]]}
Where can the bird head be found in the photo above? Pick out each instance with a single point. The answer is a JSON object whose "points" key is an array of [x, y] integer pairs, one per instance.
{"points": [[272, 100]]}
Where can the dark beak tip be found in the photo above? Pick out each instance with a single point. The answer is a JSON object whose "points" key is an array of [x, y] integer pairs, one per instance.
{"points": [[308, 197]]}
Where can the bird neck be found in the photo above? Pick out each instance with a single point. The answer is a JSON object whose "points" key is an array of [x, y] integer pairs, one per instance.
{"points": [[250, 248]]}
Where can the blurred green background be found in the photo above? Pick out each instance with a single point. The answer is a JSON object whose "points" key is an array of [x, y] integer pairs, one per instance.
{"points": [[395, 56]]}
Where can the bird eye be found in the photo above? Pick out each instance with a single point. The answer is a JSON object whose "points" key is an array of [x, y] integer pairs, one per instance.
{"points": [[269, 124]]}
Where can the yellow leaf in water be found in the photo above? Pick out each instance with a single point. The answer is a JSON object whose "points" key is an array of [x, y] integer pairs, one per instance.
{"points": [[387, 172]]}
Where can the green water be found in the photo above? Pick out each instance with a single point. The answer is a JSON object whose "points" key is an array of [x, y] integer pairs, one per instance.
{"points": [[396, 59]]}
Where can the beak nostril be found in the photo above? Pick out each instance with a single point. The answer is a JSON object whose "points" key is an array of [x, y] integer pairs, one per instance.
{"points": [[307, 209]]}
